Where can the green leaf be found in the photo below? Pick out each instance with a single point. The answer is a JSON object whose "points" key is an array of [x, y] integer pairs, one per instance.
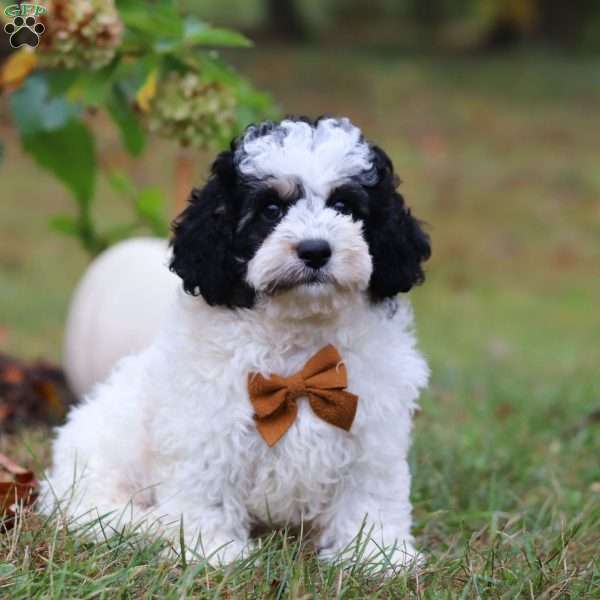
{"points": [[131, 76], [214, 70], [126, 119], [68, 153], [198, 33], [92, 88], [61, 80], [34, 110], [159, 20], [65, 224], [150, 206], [252, 105], [121, 182]]}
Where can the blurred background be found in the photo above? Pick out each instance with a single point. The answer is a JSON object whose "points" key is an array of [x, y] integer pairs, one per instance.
{"points": [[490, 110]]}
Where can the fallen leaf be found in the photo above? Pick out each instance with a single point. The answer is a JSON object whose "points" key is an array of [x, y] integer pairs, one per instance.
{"points": [[12, 375], [32, 393], [504, 410], [17, 67], [49, 393], [5, 413], [18, 490]]}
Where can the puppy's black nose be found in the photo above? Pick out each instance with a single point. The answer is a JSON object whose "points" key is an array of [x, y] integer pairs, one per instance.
{"points": [[314, 253]]}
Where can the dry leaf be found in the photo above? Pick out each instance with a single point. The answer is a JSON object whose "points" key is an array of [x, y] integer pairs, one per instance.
{"points": [[16, 68], [49, 393], [503, 410], [18, 490], [32, 393], [12, 375]]}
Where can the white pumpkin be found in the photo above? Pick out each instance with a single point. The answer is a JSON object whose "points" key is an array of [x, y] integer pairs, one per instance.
{"points": [[117, 309]]}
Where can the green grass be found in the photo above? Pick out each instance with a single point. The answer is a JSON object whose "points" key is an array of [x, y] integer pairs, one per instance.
{"points": [[500, 157]]}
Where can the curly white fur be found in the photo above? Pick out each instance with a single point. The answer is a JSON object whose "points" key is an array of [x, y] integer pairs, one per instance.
{"points": [[322, 156], [171, 434]]}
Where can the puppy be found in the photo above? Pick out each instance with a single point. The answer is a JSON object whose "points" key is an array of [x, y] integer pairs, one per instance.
{"points": [[296, 253]]}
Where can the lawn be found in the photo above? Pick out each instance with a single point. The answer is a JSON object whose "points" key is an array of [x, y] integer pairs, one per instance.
{"points": [[500, 156]]}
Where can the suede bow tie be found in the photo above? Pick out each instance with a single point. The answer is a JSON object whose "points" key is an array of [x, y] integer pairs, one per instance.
{"points": [[322, 380]]}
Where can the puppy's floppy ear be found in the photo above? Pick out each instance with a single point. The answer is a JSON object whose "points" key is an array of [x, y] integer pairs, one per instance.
{"points": [[397, 242], [203, 253]]}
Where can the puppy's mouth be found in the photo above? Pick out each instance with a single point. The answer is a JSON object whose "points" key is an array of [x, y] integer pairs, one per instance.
{"points": [[309, 278]]}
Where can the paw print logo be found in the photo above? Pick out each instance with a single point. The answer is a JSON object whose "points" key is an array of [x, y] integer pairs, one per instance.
{"points": [[24, 32]]}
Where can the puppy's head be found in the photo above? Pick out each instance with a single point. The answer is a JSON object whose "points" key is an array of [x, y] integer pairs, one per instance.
{"points": [[299, 212]]}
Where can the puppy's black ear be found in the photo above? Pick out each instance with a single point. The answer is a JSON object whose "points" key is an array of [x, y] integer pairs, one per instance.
{"points": [[397, 242], [203, 235]]}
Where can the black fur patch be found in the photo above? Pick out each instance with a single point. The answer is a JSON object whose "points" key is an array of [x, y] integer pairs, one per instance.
{"points": [[225, 223], [397, 242], [205, 253], [221, 229]]}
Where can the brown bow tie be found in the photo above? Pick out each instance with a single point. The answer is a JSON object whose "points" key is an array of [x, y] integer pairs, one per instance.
{"points": [[323, 380]]}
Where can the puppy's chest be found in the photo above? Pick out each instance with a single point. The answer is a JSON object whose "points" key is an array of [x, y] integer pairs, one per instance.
{"points": [[296, 478]]}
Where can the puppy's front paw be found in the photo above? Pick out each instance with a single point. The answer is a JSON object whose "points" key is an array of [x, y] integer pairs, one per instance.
{"points": [[218, 552], [391, 559], [222, 553]]}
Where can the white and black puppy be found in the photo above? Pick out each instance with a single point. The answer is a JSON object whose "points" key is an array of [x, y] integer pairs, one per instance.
{"points": [[298, 240]]}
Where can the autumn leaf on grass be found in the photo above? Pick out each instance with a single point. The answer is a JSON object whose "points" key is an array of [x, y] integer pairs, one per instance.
{"points": [[32, 393], [18, 490], [12, 375]]}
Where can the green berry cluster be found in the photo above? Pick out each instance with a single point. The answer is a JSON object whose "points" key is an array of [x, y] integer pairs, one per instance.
{"points": [[80, 34], [191, 111]]}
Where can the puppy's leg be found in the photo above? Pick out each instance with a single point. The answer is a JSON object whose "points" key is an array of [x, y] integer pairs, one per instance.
{"points": [[376, 505], [99, 467], [212, 524]]}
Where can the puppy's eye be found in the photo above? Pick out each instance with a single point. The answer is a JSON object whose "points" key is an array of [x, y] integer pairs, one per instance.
{"points": [[272, 212], [341, 207]]}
